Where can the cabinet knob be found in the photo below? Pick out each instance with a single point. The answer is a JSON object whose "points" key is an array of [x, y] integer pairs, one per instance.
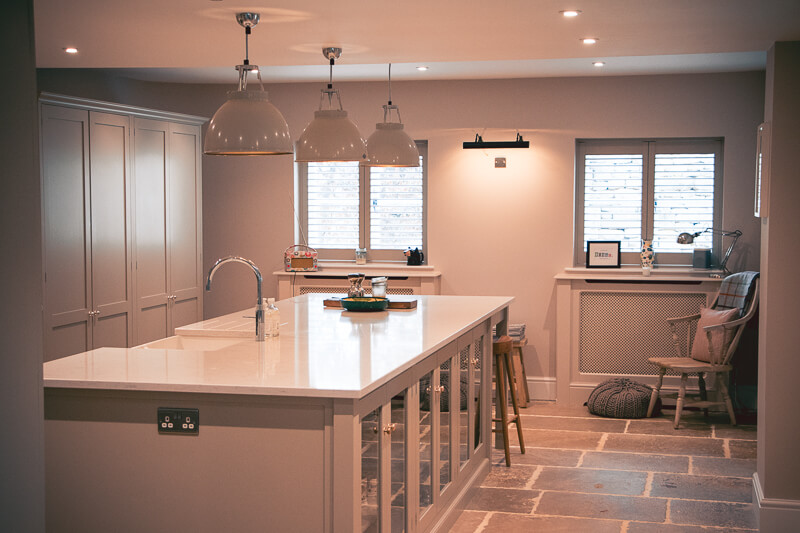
{"points": [[390, 428]]}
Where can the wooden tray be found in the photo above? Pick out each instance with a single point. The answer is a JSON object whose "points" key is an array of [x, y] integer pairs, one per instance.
{"points": [[336, 303]]}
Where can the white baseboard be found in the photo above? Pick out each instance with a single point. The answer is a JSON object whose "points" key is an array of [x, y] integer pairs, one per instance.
{"points": [[774, 515], [542, 388]]}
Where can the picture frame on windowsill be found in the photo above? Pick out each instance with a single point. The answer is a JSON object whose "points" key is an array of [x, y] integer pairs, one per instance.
{"points": [[603, 254]]}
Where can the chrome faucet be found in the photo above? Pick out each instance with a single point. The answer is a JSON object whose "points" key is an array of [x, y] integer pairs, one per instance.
{"points": [[260, 330]]}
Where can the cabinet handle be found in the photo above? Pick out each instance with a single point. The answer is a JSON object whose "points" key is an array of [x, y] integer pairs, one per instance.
{"points": [[94, 313], [390, 428], [439, 389], [475, 362]]}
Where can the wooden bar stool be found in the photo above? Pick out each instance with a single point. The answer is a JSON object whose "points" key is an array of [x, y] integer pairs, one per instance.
{"points": [[501, 350], [520, 376]]}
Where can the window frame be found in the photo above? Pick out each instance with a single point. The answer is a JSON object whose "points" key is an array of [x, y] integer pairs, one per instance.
{"points": [[648, 148], [348, 254]]}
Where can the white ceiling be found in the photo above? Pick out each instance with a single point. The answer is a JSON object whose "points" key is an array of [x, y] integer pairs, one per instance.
{"points": [[199, 41]]}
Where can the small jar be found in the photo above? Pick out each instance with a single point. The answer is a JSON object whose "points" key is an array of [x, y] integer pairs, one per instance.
{"points": [[361, 256], [379, 287]]}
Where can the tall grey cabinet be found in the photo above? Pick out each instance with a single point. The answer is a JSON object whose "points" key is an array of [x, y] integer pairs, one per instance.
{"points": [[168, 227], [119, 217]]}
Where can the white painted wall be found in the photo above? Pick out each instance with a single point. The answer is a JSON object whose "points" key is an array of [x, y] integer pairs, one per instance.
{"points": [[491, 231], [779, 340], [21, 411]]}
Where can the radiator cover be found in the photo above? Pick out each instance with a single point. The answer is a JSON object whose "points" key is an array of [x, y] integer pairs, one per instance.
{"points": [[619, 330]]}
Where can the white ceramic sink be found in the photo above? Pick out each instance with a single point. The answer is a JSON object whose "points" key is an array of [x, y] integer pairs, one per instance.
{"points": [[180, 342]]}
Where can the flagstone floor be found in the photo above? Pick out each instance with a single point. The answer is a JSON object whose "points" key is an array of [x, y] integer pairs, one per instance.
{"points": [[582, 473]]}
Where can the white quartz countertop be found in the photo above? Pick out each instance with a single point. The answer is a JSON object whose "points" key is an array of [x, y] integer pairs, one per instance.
{"points": [[320, 352]]}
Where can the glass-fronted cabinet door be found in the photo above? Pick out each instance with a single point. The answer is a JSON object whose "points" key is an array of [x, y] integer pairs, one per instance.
{"points": [[385, 465]]}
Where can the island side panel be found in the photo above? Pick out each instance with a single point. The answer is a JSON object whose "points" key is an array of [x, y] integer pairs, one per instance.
{"points": [[257, 462]]}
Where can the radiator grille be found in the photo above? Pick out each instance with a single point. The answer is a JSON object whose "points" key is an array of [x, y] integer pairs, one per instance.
{"points": [[618, 331], [343, 290]]}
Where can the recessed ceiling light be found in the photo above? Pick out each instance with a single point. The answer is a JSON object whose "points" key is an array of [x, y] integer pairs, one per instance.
{"points": [[422, 68], [71, 50], [599, 63], [589, 40], [570, 13]]}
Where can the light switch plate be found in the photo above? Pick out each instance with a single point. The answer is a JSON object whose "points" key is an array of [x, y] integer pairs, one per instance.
{"points": [[499, 162]]}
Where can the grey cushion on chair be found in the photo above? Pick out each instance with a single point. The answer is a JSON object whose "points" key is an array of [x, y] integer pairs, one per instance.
{"points": [[620, 398]]}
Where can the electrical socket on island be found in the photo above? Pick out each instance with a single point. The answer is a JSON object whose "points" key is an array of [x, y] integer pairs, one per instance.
{"points": [[178, 420]]}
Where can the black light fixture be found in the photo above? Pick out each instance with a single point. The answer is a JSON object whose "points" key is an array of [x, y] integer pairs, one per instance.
{"points": [[688, 238], [480, 143]]}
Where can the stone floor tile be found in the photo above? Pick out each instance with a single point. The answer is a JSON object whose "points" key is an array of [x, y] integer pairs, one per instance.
{"points": [[550, 408], [545, 438], [735, 432], [503, 500], [718, 466], [538, 456], [515, 476], [508, 523], [636, 461], [602, 506], [590, 480], [742, 449], [721, 514], [664, 444], [468, 522], [647, 527], [666, 427], [600, 425], [689, 487]]}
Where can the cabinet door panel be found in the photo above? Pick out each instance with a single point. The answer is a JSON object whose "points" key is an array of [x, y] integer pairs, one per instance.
{"points": [[185, 310], [152, 283], [151, 207], [184, 208], [70, 338], [65, 197], [151, 323], [110, 228], [111, 330]]}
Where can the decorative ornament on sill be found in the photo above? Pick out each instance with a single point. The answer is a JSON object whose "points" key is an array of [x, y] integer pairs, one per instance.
{"points": [[648, 256]]}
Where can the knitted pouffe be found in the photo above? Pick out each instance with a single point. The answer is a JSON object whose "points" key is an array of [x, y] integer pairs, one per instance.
{"points": [[620, 398]]}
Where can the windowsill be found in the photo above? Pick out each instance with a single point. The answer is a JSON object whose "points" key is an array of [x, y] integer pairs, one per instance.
{"points": [[634, 273], [375, 268]]}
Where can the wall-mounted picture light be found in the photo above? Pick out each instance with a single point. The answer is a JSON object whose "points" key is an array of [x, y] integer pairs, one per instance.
{"points": [[480, 143]]}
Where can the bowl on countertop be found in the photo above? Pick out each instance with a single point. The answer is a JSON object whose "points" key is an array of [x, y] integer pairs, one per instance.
{"points": [[365, 304]]}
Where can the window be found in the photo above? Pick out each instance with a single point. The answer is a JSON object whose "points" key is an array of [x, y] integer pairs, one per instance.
{"points": [[651, 189], [344, 206]]}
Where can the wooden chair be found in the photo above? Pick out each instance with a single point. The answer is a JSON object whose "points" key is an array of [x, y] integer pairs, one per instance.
{"points": [[501, 350], [722, 340]]}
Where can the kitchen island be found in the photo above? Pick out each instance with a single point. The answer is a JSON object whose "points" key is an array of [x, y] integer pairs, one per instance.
{"points": [[345, 422]]}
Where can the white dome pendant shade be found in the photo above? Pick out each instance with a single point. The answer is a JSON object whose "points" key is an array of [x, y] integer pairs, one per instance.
{"points": [[331, 136], [389, 145], [247, 123]]}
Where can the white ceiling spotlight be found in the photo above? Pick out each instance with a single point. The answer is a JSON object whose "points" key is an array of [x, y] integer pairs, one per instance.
{"points": [[589, 40], [390, 146], [599, 63], [71, 50], [247, 123], [331, 136], [570, 13]]}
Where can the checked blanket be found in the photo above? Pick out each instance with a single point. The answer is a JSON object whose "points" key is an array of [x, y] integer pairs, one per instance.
{"points": [[736, 290]]}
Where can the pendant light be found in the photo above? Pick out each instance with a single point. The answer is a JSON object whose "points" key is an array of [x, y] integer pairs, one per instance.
{"points": [[331, 136], [390, 146], [247, 123]]}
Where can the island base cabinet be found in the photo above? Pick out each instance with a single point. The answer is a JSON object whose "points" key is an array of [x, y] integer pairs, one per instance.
{"points": [[256, 464], [403, 458]]}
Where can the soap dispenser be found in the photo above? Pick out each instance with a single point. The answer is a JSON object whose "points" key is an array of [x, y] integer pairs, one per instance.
{"points": [[272, 318]]}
